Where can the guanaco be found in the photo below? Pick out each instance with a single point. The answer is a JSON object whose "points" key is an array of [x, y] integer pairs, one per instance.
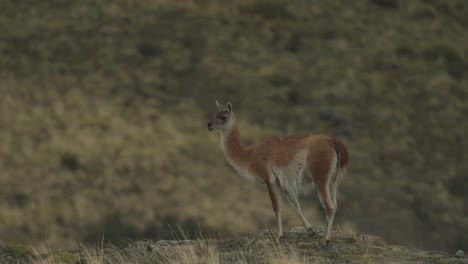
{"points": [[289, 166]]}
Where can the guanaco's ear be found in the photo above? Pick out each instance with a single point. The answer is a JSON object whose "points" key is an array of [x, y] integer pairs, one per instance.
{"points": [[229, 106], [220, 107]]}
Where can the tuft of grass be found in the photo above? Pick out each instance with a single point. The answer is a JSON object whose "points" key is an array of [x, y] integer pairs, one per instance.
{"points": [[347, 228], [288, 255], [202, 251]]}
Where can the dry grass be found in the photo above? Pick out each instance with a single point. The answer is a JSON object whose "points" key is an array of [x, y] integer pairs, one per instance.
{"points": [[288, 255], [199, 252], [259, 247], [347, 228]]}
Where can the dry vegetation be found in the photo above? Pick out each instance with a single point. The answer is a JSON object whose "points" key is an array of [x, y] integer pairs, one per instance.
{"points": [[260, 247], [103, 106]]}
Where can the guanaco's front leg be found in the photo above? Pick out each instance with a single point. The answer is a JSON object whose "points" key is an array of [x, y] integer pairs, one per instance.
{"points": [[275, 198]]}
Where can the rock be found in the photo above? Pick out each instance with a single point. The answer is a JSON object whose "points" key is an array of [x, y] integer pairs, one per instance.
{"points": [[298, 230], [302, 230], [459, 254]]}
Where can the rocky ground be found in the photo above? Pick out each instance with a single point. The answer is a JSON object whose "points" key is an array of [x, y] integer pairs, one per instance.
{"points": [[296, 247]]}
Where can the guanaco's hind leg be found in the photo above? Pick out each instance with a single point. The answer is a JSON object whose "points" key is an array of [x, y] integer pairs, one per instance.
{"points": [[334, 183], [325, 199], [323, 170], [294, 203], [334, 191], [275, 197]]}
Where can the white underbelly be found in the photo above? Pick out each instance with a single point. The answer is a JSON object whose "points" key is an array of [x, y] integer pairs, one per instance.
{"points": [[294, 178]]}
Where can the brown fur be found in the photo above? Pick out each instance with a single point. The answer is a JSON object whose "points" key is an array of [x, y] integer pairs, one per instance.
{"points": [[280, 151]]}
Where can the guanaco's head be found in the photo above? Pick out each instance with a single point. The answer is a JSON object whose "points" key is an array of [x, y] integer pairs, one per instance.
{"points": [[223, 119]]}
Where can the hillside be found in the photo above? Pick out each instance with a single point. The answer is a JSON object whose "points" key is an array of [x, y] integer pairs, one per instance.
{"points": [[103, 108], [297, 247]]}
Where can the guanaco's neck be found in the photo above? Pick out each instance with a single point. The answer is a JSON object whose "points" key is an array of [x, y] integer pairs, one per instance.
{"points": [[235, 152]]}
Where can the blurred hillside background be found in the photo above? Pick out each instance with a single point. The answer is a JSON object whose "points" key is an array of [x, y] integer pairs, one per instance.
{"points": [[103, 106]]}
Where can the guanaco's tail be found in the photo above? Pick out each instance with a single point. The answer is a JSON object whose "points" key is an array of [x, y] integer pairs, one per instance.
{"points": [[342, 151]]}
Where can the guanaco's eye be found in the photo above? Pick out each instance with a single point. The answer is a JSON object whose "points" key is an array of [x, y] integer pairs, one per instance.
{"points": [[223, 118]]}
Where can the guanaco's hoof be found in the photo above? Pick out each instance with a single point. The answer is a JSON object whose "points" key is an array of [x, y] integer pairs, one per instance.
{"points": [[325, 243]]}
